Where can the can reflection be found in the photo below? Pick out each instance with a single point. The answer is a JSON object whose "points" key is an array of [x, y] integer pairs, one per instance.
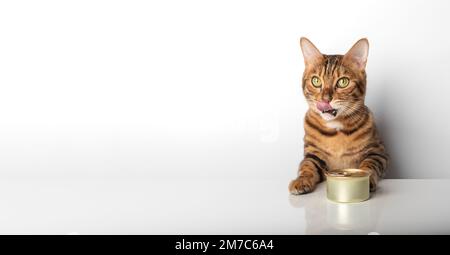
{"points": [[348, 216]]}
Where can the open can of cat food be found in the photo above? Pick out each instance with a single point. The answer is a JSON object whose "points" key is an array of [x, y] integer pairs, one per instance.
{"points": [[348, 185]]}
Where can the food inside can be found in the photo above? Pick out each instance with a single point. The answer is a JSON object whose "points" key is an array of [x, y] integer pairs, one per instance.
{"points": [[348, 185]]}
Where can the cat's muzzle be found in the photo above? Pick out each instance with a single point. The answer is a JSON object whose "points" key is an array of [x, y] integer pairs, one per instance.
{"points": [[331, 111]]}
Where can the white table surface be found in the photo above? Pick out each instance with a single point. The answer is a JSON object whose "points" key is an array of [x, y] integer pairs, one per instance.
{"points": [[216, 207]]}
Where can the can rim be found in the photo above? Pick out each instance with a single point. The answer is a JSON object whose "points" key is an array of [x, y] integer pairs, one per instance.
{"points": [[347, 173]]}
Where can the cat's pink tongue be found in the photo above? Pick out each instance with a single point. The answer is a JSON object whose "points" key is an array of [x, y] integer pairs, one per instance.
{"points": [[324, 106]]}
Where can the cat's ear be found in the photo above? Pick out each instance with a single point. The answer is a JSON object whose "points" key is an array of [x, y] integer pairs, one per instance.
{"points": [[310, 53], [357, 55]]}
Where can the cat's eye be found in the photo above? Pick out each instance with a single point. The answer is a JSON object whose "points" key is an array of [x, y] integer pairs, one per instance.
{"points": [[343, 82], [316, 82]]}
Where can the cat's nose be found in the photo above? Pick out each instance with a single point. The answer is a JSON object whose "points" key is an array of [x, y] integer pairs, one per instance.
{"points": [[327, 98]]}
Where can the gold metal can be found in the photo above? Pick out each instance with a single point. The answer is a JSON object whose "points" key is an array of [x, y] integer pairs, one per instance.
{"points": [[348, 185]]}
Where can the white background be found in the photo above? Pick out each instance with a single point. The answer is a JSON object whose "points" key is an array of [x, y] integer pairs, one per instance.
{"points": [[208, 89]]}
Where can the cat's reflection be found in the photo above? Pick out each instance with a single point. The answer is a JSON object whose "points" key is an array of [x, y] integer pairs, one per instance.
{"points": [[327, 217]]}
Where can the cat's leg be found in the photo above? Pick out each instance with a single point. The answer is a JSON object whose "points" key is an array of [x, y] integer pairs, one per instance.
{"points": [[309, 174], [376, 163]]}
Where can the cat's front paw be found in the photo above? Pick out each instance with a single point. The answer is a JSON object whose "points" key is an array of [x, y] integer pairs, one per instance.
{"points": [[373, 183], [302, 185], [373, 180]]}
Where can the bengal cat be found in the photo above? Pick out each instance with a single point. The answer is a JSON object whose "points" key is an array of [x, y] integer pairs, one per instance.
{"points": [[340, 131]]}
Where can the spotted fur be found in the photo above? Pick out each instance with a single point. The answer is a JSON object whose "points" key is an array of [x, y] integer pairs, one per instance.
{"points": [[347, 140]]}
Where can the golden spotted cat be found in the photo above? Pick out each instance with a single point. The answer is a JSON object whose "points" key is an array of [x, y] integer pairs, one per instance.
{"points": [[340, 130]]}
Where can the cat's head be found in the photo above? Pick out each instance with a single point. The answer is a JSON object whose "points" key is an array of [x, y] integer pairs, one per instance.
{"points": [[335, 85]]}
